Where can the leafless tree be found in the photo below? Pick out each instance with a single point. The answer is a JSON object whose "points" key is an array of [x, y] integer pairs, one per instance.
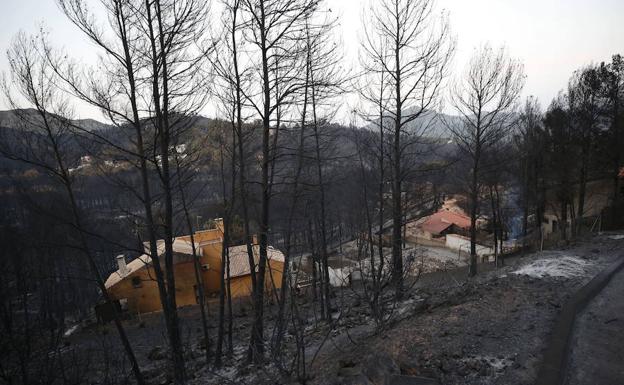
{"points": [[295, 196], [372, 89], [150, 78], [405, 40], [44, 140], [182, 179], [320, 88], [484, 99], [231, 83], [275, 31], [325, 79], [173, 28]]}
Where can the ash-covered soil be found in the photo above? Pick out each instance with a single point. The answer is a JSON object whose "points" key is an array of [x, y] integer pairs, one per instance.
{"points": [[491, 329]]}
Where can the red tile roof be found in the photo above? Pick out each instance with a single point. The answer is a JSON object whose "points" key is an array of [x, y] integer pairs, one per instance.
{"points": [[436, 227], [442, 220]]}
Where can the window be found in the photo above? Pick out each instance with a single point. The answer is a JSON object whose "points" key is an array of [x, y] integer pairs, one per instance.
{"points": [[136, 282]]}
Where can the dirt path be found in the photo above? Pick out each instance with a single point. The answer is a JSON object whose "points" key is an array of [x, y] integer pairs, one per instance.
{"points": [[597, 347]]}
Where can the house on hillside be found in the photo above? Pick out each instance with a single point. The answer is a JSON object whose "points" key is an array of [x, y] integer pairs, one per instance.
{"points": [[449, 229], [436, 226], [134, 286]]}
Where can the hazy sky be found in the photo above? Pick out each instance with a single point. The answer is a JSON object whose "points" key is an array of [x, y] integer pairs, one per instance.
{"points": [[551, 37]]}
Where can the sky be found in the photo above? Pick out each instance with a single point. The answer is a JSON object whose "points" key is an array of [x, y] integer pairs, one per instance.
{"points": [[551, 37]]}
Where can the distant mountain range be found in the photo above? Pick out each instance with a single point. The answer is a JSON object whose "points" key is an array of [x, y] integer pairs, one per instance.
{"points": [[92, 125], [12, 119], [429, 124]]}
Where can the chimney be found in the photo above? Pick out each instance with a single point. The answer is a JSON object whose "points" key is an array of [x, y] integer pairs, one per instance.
{"points": [[123, 268], [219, 224]]}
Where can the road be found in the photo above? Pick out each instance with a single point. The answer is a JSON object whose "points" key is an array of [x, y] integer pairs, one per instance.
{"points": [[597, 345]]}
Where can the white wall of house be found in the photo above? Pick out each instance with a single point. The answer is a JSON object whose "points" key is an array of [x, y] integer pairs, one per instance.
{"points": [[457, 242], [339, 277]]}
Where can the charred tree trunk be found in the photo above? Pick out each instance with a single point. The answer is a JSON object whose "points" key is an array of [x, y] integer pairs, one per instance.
{"points": [[397, 206], [495, 221], [161, 107], [228, 206], [199, 281], [582, 187], [256, 348], [322, 225], [474, 212], [281, 321]]}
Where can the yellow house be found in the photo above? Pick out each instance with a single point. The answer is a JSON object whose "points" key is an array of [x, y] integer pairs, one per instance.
{"points": [[134, 284]]}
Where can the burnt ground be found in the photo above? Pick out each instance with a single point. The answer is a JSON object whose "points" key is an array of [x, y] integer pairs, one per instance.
{"points": [[488, 330], [491, 329]]}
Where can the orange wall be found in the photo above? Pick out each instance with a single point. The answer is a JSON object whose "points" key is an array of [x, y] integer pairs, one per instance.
{"points": [[147, 299], [204, 235]]}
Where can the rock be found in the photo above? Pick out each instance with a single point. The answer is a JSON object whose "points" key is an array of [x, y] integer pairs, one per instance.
{"points": [[195, 353], [554, 304], [474, 364], [463, 370], [359, 379], [349, 371], [151, 372], [410, 369], [346, 363], [379, 368], [157, 353], [162, 379], [202, 344]]}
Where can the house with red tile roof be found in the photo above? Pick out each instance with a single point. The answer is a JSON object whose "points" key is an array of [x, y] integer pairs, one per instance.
{"points": [[444, 222]]}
